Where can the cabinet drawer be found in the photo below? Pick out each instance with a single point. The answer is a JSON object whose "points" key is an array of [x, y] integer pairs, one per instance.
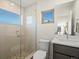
{"points": [[67, 50], [60, 56]]}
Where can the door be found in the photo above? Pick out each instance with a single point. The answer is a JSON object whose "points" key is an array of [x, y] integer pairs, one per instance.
{"points": [[9, 30]]}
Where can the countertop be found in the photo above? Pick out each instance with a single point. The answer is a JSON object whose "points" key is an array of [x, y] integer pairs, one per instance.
{"points": [[67, 42]]}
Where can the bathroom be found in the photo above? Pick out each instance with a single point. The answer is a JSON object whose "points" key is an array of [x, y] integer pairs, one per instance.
{"points": [[39, 29]]}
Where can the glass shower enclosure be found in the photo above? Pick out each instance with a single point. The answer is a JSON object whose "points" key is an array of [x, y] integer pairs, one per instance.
{"points": [[9, 30], [17, 30]]}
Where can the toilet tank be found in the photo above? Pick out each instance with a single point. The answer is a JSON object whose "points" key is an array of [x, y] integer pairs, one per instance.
{"points": [[43, 44]]}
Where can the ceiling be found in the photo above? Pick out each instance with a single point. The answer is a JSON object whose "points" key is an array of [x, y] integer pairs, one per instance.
{"points": [[24, 3]]}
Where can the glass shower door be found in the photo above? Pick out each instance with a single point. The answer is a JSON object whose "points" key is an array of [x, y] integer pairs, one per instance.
{"points": [[10, 22], [28, 28]]}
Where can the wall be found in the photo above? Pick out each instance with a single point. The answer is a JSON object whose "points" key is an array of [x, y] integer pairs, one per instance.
{"points": [[43, 31]]}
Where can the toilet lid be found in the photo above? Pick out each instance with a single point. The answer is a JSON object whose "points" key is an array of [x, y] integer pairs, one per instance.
{"points": [[39, 54]]}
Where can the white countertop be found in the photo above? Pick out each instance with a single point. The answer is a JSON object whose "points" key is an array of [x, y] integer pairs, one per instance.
{"points": [[68, 42]]}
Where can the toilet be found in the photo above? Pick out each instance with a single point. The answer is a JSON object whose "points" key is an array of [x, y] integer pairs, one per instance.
{"points": [[42, 50], [39, 54]]}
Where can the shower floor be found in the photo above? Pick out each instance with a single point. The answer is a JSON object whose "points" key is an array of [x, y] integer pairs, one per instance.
{"points": [[23, 57]]}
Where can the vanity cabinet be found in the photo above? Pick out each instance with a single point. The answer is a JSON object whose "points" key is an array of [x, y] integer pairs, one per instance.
{"points": [[65, 52], [60, 56]]}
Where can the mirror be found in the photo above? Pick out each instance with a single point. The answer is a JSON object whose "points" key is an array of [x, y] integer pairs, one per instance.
{"points": [[67, 18], [75, 21], [63, 19]]}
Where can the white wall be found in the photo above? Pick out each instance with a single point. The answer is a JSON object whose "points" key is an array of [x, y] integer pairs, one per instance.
{"points": [[45, 31]]}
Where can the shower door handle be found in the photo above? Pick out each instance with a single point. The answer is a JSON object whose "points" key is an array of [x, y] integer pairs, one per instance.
{"points": [[17, 33]]}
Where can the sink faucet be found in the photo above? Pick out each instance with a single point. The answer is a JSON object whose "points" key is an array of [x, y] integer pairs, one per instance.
{"points": [[67, 30], [67, 36]]}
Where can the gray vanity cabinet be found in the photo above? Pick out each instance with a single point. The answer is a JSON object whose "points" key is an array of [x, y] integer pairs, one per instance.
{"points": [[65, 52], [60, 56]]}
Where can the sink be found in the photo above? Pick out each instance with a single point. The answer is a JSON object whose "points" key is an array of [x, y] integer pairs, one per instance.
{"points": [[67, 42]]}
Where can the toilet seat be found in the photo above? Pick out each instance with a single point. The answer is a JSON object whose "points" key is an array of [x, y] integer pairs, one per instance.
{"points": [[40, 54]]}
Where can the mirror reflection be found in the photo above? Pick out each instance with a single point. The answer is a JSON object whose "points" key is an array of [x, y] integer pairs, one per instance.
{"points": [[77, 26], [64, 18]]}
